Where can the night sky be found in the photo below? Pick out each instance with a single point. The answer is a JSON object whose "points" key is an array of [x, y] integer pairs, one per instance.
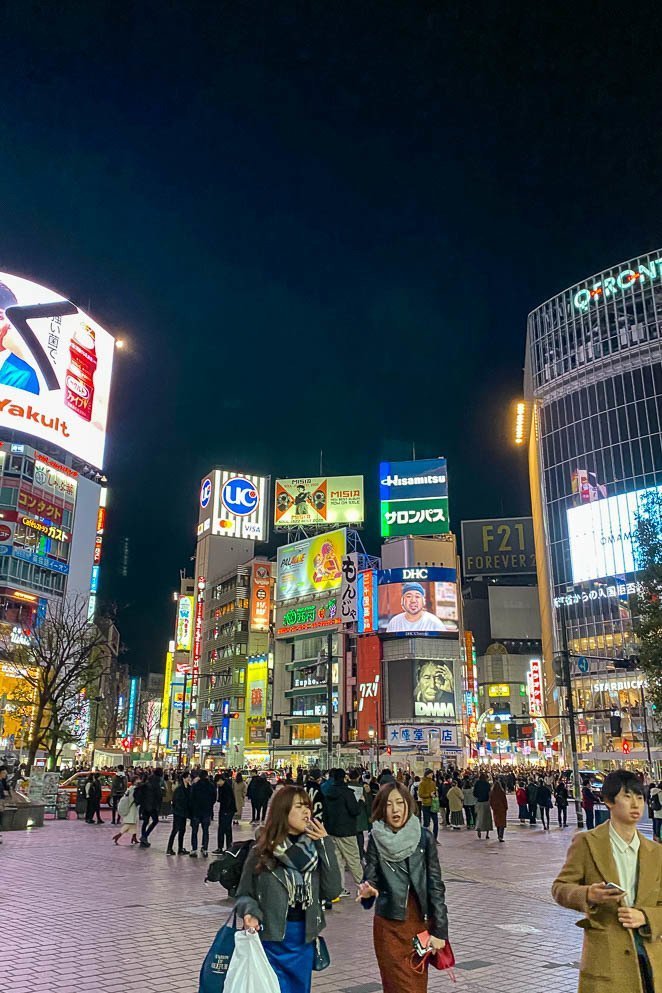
{"points": [[319, 225]]}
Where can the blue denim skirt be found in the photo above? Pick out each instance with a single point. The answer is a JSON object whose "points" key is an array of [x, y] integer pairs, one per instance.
{"points": [[292, 959]]}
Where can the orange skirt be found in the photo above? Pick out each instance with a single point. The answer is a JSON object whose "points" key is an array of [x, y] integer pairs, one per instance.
{"points": [[393, 948]]}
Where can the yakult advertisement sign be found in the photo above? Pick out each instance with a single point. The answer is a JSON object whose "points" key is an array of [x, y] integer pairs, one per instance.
{"points": [[55, 369]]}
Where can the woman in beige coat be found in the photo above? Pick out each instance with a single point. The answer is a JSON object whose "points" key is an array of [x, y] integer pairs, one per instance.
{"points": [[455, 798], [239, 788]]}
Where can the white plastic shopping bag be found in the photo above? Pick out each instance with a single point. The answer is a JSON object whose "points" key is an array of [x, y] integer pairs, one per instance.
{"points": [[249, 970]]}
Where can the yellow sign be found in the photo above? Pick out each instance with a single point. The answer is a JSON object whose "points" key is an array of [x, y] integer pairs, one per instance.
{"points": [[496, 730], [498, 689], [256, 699], [165, 706], [311, 566]]}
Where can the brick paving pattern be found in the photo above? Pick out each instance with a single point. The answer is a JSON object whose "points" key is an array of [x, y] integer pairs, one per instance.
{"points": [[82, 915]]}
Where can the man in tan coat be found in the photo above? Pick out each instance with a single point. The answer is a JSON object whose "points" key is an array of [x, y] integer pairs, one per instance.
{"points": [[613, 875]]}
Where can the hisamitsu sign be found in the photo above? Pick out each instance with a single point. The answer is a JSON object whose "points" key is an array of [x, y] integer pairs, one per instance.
{"points": [[502, 546]]}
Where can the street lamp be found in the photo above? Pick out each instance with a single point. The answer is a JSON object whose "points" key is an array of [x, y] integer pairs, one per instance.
{"points": [[96, 700]]}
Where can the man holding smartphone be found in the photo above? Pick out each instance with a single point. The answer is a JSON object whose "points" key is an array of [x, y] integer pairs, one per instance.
{"points": [[613, 875]]}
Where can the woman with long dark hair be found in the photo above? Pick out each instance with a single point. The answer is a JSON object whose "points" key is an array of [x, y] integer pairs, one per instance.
{"points": [[402, 873], [288, 876]]}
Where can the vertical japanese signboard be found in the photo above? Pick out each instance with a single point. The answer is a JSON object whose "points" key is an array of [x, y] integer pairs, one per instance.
{"points": [[349, 612], [367, 601], [368, 665], [534, 680], [260, 605]]}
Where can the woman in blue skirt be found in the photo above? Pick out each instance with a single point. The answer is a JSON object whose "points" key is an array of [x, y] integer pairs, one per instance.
{"points": [[289, 874]]}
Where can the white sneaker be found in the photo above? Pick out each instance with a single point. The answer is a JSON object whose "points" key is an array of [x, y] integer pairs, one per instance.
{"points": [[344, 893]]}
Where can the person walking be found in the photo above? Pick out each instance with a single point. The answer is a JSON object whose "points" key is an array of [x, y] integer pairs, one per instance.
{"points": [[455, 799], [290, 873], [227, 808], [428, 797], [588, 805], [522, 803], [362, 821], [203, 797], [561, 800], [239, 788], [342, 812], [181, 811], [117, 790], [5, 792], [93, 798], [655, 805], [613, 875], [469, 802], [483, 810], [128, 811], [403, 876], [312, 787], [499, 807], [149, 797], [544, 801], [532, 800], [259, 793]]}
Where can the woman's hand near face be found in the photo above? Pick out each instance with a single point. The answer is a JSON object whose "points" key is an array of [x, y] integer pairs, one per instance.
{"points": [[316, 830]]}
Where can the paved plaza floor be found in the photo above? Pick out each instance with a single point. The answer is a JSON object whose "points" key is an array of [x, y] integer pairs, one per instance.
{"points": [[81, 915]]}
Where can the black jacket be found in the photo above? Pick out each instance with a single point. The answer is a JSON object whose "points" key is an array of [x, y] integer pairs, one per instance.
{"points": [[259, 790], [203, 798], [226, 801], [118, 785], [482, 790], [544, 796], [264, 894], [181, 801], [314, 791], [342, 811], [151, 795], [422, 872]]}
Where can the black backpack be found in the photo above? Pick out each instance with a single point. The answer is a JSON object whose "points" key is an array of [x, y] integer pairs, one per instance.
{"points": [[657, 803], [228, 867]]}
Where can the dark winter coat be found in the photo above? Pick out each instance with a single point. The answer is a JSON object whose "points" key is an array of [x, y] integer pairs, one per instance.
{"points": [[264, 894], [259, 790], [421, 872], [181, 801], [342, 811], [226, 801], [203, 798], [482, 790]]}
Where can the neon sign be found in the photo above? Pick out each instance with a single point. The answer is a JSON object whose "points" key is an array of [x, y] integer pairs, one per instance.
{"points": [[614, 285]]}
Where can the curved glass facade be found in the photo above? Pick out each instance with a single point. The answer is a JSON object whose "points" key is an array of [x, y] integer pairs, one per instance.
{"points": [[594, 373]]}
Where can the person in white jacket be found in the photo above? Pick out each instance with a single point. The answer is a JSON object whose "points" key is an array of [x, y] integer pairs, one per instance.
{"points": [[128, 811]]}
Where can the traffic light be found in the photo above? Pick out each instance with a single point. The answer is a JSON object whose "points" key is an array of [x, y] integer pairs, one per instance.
{"points": [[615, 726], [275, 730], [626, 747], [389, 750]]}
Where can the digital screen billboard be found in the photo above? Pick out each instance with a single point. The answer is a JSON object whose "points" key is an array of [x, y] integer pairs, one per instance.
{"points": [[184, 633], [55, 369], [310, 566], [420, 600], [602, 536], [234, 504], [434, 688], [414, 498], [314, 500]]}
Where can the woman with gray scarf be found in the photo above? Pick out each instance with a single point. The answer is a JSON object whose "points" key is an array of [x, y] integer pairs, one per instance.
{"points": [[403, 875]]}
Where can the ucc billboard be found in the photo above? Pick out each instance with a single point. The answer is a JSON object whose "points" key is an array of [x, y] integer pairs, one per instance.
{"points": [[501, 546], [234, 505]]}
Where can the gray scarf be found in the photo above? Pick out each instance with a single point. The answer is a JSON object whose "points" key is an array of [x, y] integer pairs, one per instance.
{"points": [[396, 846]]}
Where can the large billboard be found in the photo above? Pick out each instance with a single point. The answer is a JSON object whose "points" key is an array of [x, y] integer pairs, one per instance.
{"points": [[602, 536], [184, 633], [434, 688], [257, 675], [368, 670], [414, 497], [310, 566], [319, 500], [55, 369], [234, 504], [498, 547], [419, 600]]}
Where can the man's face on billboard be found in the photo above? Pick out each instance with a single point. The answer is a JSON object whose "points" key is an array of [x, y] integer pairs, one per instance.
{"points": [[413, 604], [427, 689], [5, 326]]}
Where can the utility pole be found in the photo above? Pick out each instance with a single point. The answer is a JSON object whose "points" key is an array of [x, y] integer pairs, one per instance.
{"points": [[181, 724], [565, 656]]}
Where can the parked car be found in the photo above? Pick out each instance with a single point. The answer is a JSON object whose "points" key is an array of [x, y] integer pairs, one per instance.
{"points": [[71, 786]]}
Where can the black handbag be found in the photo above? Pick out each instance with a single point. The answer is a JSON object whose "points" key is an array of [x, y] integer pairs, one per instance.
{"points": [[322, 959]]}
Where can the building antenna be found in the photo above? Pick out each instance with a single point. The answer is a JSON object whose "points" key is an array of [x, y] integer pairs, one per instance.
{"points": [[413, 450], [321, 457]]}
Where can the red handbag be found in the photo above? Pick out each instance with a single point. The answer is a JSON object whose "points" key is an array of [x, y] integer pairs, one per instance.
{"points": [[442, 958]]}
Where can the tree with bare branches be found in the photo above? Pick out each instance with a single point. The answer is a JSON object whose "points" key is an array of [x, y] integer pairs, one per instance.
{"points": [[59, 665]]}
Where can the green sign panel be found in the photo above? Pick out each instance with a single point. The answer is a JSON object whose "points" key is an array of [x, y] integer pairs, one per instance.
{"points": [[405, 517]]}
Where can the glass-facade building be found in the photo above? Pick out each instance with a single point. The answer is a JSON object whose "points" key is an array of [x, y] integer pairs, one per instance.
{"points": [[593, 380]]}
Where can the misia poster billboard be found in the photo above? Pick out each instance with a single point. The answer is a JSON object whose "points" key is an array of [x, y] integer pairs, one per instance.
{"points": [[314, 500], [234, 504], [413, 498], [55, 369], [310, 566]]}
